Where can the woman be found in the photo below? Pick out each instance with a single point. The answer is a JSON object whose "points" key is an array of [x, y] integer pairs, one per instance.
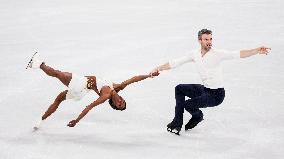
{"points": [[79, 86]]}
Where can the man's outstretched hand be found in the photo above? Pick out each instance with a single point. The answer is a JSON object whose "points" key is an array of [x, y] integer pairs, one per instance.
{"points": [[263, 50], [72, 123]]}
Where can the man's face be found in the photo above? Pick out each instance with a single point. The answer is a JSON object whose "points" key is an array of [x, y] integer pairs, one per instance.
{"points": [[206, 41]]}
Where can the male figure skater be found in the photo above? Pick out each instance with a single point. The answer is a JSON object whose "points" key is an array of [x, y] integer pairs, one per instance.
{"points": [[78, 87], [211, 93]]}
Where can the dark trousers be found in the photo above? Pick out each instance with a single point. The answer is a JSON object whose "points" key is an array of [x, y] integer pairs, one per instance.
{"points": [[199, 97]]}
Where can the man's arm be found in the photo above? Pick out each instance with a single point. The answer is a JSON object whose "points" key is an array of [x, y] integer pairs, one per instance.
{"points": [[105, 95], [251, 52], [173, 63], [162, 67]]}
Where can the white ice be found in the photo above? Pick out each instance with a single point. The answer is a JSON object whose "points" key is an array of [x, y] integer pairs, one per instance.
{"points": [[118, 39]]}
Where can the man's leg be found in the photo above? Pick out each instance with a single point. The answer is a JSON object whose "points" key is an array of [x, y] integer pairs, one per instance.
{"points": [[207, 99], [64, 77], [52, 108], [192, 106], [182, 90]]}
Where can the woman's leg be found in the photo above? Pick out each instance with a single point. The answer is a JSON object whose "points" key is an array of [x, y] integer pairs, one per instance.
{"points": [[52, 108], [64, 77]]}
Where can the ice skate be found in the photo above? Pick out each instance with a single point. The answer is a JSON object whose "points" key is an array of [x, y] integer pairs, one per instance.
{"points": [[34, 62], [174, 127], [193, 122]]}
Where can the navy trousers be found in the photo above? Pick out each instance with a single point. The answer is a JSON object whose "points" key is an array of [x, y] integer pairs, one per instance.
{"points": [[199, 97]]}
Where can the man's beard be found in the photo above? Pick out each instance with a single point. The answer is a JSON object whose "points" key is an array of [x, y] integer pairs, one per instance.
{"points": [[208, 47]]}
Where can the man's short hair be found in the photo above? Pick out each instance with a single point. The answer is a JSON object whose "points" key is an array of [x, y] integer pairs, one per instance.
{"points": [[203, 31], [114, 106]]}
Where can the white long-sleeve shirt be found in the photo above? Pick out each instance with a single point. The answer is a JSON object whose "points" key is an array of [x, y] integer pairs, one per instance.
{"points": [[209, 66]]}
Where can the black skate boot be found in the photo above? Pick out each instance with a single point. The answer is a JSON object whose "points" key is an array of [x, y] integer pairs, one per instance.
{"points": [[193, 123], [174, 127]]}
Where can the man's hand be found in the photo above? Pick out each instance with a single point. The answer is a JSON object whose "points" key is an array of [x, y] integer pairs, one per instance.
{"points": [[154, 73], [162, 67], [154, 70], [72, 123], [263, 50], [260, 50]]}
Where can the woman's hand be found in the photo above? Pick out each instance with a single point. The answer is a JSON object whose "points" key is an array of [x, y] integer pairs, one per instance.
{"points": [[72, 123]]}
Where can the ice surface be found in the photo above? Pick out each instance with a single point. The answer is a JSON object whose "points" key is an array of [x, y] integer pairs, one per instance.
{"points": [[118, 39]]}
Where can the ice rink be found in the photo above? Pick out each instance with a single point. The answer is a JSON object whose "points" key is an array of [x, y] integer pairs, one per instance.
{"points": [[118, 39]]}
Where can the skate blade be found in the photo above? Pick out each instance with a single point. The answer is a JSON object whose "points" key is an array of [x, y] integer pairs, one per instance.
{"points": [[174, 131], [30, 62], [35, 129], [187, 129]]}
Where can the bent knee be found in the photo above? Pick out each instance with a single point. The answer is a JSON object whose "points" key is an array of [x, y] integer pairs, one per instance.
{"points": [[219, 101], [178, 87], [220, 98]]}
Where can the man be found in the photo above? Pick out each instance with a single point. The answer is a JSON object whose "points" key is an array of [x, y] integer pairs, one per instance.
{"points": [[78, 86], [211, 93]]}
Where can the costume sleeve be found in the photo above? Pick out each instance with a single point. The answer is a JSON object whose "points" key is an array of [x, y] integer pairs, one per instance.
{"points": [[180, 61], [229, 55]]}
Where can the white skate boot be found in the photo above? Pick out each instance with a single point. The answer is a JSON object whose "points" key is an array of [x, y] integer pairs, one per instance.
{"points": [[37, 125], [35, 61]]}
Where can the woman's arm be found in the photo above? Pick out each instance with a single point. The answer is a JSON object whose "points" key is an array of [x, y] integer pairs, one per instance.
{"points": [[134, 79], [105, 95]]}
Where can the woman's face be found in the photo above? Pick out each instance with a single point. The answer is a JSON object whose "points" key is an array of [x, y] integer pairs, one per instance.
{"points": [[118, 101]]}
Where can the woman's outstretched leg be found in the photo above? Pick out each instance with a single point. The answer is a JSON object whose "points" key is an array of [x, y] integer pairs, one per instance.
{"points": [[36, 62], [64, 77]]}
